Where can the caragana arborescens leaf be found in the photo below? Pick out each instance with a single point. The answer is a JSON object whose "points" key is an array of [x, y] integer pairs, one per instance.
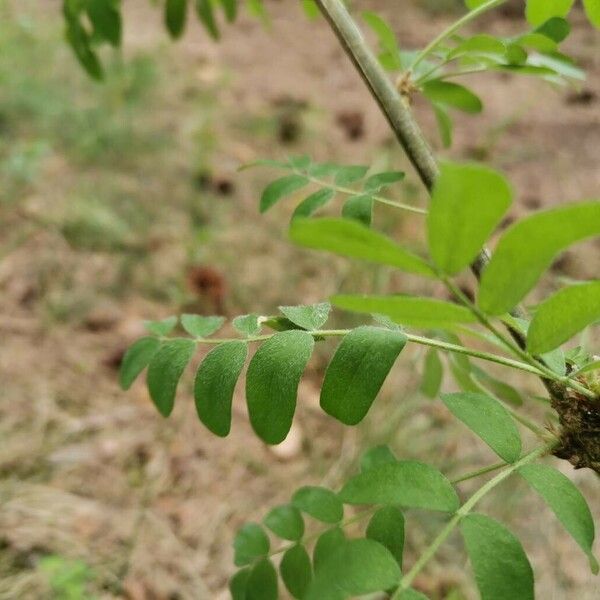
{"points": [[175, 16], [262, 582], [387, 527], [528, 248], [165, 371], [378, 181], [357, 372], [214, 385], [312, 203], [200, 326], [380, 455], [408, 310], [359, 208], [356, 568], [567, 502], [326, 544], [432, 375], [251, 542], [280, 188], [106, 19], [539, 11], [592, 9], [272, 383], [407, 483], [320, 503], [467, 204], [452, 95], [502, 570], [349, 238], [136, 359], [238, 584], [296, 571], [248, 325], [286, 522], [563, 315], [230, 9], [206, 14], [310, 317], [488, 419], [161, 328]]}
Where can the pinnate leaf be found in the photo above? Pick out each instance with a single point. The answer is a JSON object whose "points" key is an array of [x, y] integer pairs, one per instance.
{"points": [[296, 571], [248, 325], [136, 359], [320, 503], [539, 11], [214, 385], [502, 570], [528, 248], [286, 522], [563, 315], [387, 527], [488, 419], [272, 383], [351, 239], [251, 542], [357, 372], [467, 204], [567, 502], [175, 16], [408, 483], [165, 371], [380, 455], [161, 328], [359, 208], [310, 317], [327, 543], [452, 95], [280, 188], [201, 327], [262, 582], [592, 9]]}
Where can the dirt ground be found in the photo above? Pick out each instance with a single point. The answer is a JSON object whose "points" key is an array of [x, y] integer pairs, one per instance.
{"points": [[92, 478]]}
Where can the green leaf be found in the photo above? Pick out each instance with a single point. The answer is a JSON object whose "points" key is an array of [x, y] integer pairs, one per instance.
{"points": [[498, 388], [592, 10], [320, 503], [214, 385], [563, 315], [556, 29], [175, 17], [238, 584], [80, 41], [281, 188], [201, 327], [567, 503], [411, 594], [347, 175], [359, 208], [248, 325], [453, 95], [313, 203], [433, 374], [161, 328], [472, 4], [445, 124], [296, 571], [230, 9], [206, 14], [481, 44], [165, 371], [405, 483], [539, 11], [251, 542], [380, 455], [502, 571], [106, 19], [375, 183], [327, 543], [310, 9], [488, 419], [408, 310], [310, 317], [136, 359], [385, 35], [348, 238], [355, 568], [286, 522], [387, 527], [467, 204], [357, 372], [528, 248], [262, 582], [272, 383]]}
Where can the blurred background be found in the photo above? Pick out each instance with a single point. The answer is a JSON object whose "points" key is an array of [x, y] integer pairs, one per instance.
{"points": [[121, 201]]}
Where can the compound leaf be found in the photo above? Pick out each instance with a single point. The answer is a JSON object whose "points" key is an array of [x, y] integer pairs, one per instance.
{"points": [[320, 503], [387, 527], [357, 372], [136, 359], [380, 455], [349, 238], [262, 582], [201, 327], [161, 328], [286, 522], [248, 325], [251, 542], [272, 383], [214, 385], [327, 543], [280, 188], [310, 317], [296, 571], [175, 17], [567, 503], [562, 316], [502, 570], [405, 483], [432, 375], [359, 208], [467, 204], [592, 9], [312, 203], [539, 11], [165, 371], [452, 95], [488, 419], [106, 19], [206, 14], [528, 248]]}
